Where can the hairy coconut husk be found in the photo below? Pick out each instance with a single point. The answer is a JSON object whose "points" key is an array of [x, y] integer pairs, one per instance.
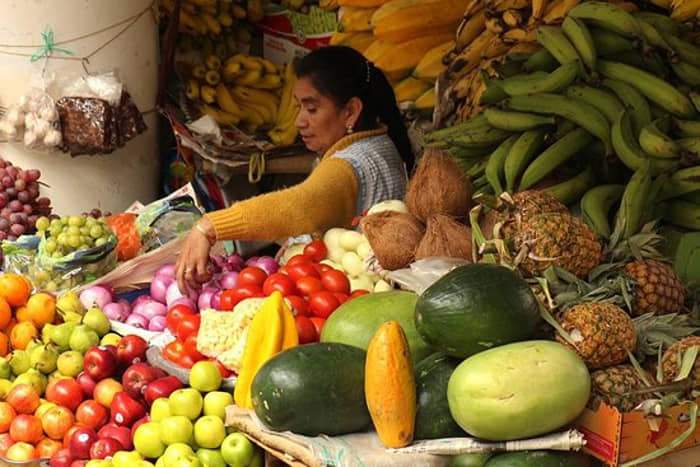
{"points": [[438, 187], [394, 237], [445, 237]]}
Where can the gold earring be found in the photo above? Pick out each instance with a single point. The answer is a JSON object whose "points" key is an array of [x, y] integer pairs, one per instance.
{"points": [[349, 129]]}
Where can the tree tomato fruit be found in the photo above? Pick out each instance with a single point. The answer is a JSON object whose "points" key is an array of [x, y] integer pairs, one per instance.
{"points": [[298, 259], [324, 303], [26, 429], [173, 351], [92, 414], [318, 324], [281, 282], [306, 330], [308, 286], [189, 325], [175, 314], [299, 304], [66, 392], [316, 250], [335, 281], [358, 293], [298, 271], [190, 348], [252, 276]]}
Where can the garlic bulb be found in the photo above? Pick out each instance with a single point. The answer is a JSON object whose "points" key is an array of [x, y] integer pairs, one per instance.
{"points": [[53, 138], [48, 113], [23, 103], [41, 127], [29, 121], [29, 138]]}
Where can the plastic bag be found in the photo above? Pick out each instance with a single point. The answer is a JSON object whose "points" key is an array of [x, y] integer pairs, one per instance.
{"points": [[165, 220], [33, 119], [128, 240], [425, 272], [19, 257]]}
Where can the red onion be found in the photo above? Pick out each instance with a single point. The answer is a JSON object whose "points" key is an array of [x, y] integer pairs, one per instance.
{"points": [[137, 320], [204, 300], [151, 309], [173, 293], [267, 264], [216, 300], [125, 305], [186, 301], [157, 324], [96, 295], [167, 271], [252, 260], [115, 311], [159, 286], [236, 262], [141, 299], [229, 280]]}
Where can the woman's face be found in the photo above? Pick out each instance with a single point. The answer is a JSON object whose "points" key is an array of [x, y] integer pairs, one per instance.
{"points": [[320, 122]]}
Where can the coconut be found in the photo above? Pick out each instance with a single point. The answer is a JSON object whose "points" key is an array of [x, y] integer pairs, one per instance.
{"points": [[438, 187], [445, 237], [394, 237]]}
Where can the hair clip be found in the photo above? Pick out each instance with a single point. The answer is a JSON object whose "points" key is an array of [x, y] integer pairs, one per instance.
{"points": [[369, 70]]}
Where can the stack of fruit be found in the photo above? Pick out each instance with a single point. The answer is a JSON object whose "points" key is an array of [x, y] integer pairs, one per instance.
{"points": [[248, 90], [212, 17], [556, 116], [681, 10], [20, 204]]}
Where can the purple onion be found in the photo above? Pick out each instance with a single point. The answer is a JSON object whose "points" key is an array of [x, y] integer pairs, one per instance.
{"points": [[96, 295], [173, 293], [267, 264], [141, 299], [167, 271], [216, 300], [137, 321], [157, 324], [115, 311], [186, 301], [159, 287], [252, 260], [229, 280], [125, 305], [150, 310], [204, 300]]}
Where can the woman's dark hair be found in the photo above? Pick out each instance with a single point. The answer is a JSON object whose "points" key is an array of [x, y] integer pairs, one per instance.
{"points": [[341, 73]]}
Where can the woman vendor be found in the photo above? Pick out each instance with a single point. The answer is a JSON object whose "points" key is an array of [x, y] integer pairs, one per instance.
{"points": [[348, 115]]}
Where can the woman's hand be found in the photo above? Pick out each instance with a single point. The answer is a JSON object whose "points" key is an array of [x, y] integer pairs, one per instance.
{"points": [[191, 267]]}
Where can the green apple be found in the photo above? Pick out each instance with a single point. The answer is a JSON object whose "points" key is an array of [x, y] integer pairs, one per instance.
{"points": [[125, 458], [97, 321], [175, 451], [209, 432], [82, 338], [187, 402], [237, 449], [110, 338], [258, 458], [99, 463], [70, 363], [143, 463], [160, 409], [215, 403], [186, 461], [147, 440], [205, 376], [175, 429], [160, 462], [211, 457], [5, 368]]}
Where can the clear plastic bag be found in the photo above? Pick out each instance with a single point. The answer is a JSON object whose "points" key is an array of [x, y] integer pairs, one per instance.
{"points": [[425, 272], [165, 220], [19, 257], [34, 120]]}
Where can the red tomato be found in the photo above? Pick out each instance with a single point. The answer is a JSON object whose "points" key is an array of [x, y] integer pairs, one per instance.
{"points": [[282, 270], [323, 304], [321, 268], [318, 324], [298, 271], [316, 250], [92, 414], [230, 298], [298, 259], [173, 351], [189, 325], [190, 348], [358, 293], [186, 361], [280, 282], [342, 297], [335, 281], [299, 304], [252, 276], [306, 330], [308, 286], [175, 314]]}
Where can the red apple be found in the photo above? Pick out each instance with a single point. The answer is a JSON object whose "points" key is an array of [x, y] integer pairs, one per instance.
{"points": [[82, 463], [126, 410], [86, 383], [100, 363], [120, 433], [81, 441], [162, 387], [137, 377], [105, 391], [91, 414], [62, 458], [138, 423], [66, 392], [131, 349], [105, 447]]}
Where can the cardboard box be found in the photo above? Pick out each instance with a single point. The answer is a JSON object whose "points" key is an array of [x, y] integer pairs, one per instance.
{"points": [[616, 438]]}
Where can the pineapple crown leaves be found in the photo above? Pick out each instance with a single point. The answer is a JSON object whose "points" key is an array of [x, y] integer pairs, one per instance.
{"points": [[657, 333], [642, 245]]}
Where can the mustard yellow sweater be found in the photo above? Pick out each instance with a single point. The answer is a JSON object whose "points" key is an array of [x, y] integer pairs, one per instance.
{"points": [[327, 198]]}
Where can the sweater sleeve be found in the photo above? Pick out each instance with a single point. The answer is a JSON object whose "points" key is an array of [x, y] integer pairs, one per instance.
{"points": [[327, 198]]}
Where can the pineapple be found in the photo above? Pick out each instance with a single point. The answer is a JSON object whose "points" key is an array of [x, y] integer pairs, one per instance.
{"points": [[657, 288], [520, 206], [602, 333], [610, 385], [671, 363]]}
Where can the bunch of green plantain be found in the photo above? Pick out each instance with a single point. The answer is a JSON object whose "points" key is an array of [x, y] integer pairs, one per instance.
{"points": [[241, 89], [610, 94]]}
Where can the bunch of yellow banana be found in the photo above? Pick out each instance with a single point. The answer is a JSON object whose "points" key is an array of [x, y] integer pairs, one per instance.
{"points": [[211, 17], [681, 10], [284, 132]]}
